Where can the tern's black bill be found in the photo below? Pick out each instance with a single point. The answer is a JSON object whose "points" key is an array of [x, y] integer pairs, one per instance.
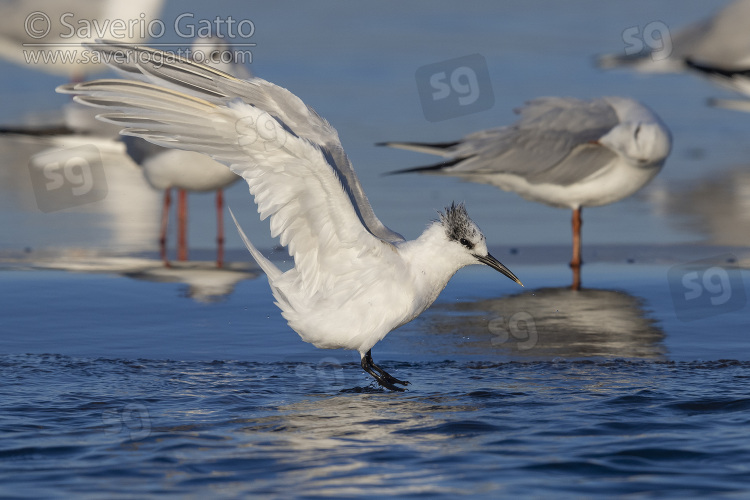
{"points": [[497, 265]]}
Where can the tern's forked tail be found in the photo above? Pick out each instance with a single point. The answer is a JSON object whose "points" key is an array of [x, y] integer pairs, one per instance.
{"points": [[268, 267]]}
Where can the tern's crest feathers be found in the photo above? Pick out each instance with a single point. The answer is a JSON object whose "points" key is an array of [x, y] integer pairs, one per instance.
{"points": [[457, 223]]}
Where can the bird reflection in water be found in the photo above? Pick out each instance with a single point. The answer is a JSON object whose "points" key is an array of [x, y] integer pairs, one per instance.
{"points": [[205, 282], [717, 206], [554, 322]]}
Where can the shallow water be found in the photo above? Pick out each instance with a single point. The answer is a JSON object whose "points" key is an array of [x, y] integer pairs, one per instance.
{"points": [[123, 379], [123, 387], [112, 428]]}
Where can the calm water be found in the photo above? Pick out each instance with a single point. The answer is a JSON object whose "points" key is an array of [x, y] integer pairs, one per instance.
{"points": [[123, 379]]}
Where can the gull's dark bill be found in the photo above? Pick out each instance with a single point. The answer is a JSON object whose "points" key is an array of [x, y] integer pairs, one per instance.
{"points": [[498, 266]]}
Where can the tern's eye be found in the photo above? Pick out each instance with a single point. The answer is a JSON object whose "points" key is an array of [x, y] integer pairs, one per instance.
{"points": [[637, 131], [468, 244]]}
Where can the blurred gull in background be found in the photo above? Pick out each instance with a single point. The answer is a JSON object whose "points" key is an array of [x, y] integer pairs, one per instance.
{"points": [[185, 171], [737, 79], [163, 168], [563, 152], [722, 40], [47, 34]]}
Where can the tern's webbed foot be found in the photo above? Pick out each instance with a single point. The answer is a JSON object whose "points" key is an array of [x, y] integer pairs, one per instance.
{"points": [[383, 378]]}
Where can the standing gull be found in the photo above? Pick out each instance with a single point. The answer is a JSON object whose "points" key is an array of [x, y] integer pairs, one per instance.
{"points": [[354, 280], [563, 152], [186, 171], [163, 168], [47, 34]]}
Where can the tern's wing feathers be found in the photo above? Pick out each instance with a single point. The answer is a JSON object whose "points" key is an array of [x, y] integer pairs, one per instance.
{"points": [[154, 66], [290, 176], [553, 142]]}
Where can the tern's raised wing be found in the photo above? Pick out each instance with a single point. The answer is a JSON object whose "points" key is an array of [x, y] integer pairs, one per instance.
{"points": [[289, 175], [286, 108], [553, 142]]}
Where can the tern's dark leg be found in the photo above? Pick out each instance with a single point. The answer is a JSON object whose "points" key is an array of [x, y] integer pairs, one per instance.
{"points": [[368, 367], [575, 263], [384, 378]]}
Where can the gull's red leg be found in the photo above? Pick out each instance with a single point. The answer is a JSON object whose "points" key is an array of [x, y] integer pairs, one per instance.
{"points": [[219, 228], [575, 263], [182, 251], [164, 224]]}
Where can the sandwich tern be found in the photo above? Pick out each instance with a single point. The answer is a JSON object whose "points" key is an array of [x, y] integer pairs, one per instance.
{"points": [[563, 152], [354, 280]]}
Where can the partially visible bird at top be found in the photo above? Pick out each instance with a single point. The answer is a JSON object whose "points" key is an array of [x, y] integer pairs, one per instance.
{"points": [[353, 280], [563, 152], [48, 34], [655, 47], [736, 79]]}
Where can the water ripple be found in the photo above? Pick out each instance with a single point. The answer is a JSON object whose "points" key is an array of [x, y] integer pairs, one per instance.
{"points": [[250, 429]]}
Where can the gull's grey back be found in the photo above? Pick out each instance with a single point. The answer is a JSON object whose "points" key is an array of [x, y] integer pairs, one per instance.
{"points": [[553, 142]]}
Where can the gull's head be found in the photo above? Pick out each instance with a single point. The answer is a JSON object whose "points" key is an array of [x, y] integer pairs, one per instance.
{"points": [[641, 138], [465, 242]]}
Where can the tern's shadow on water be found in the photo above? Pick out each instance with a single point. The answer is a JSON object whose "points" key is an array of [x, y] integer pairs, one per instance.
{"points": [[553, 322]]}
